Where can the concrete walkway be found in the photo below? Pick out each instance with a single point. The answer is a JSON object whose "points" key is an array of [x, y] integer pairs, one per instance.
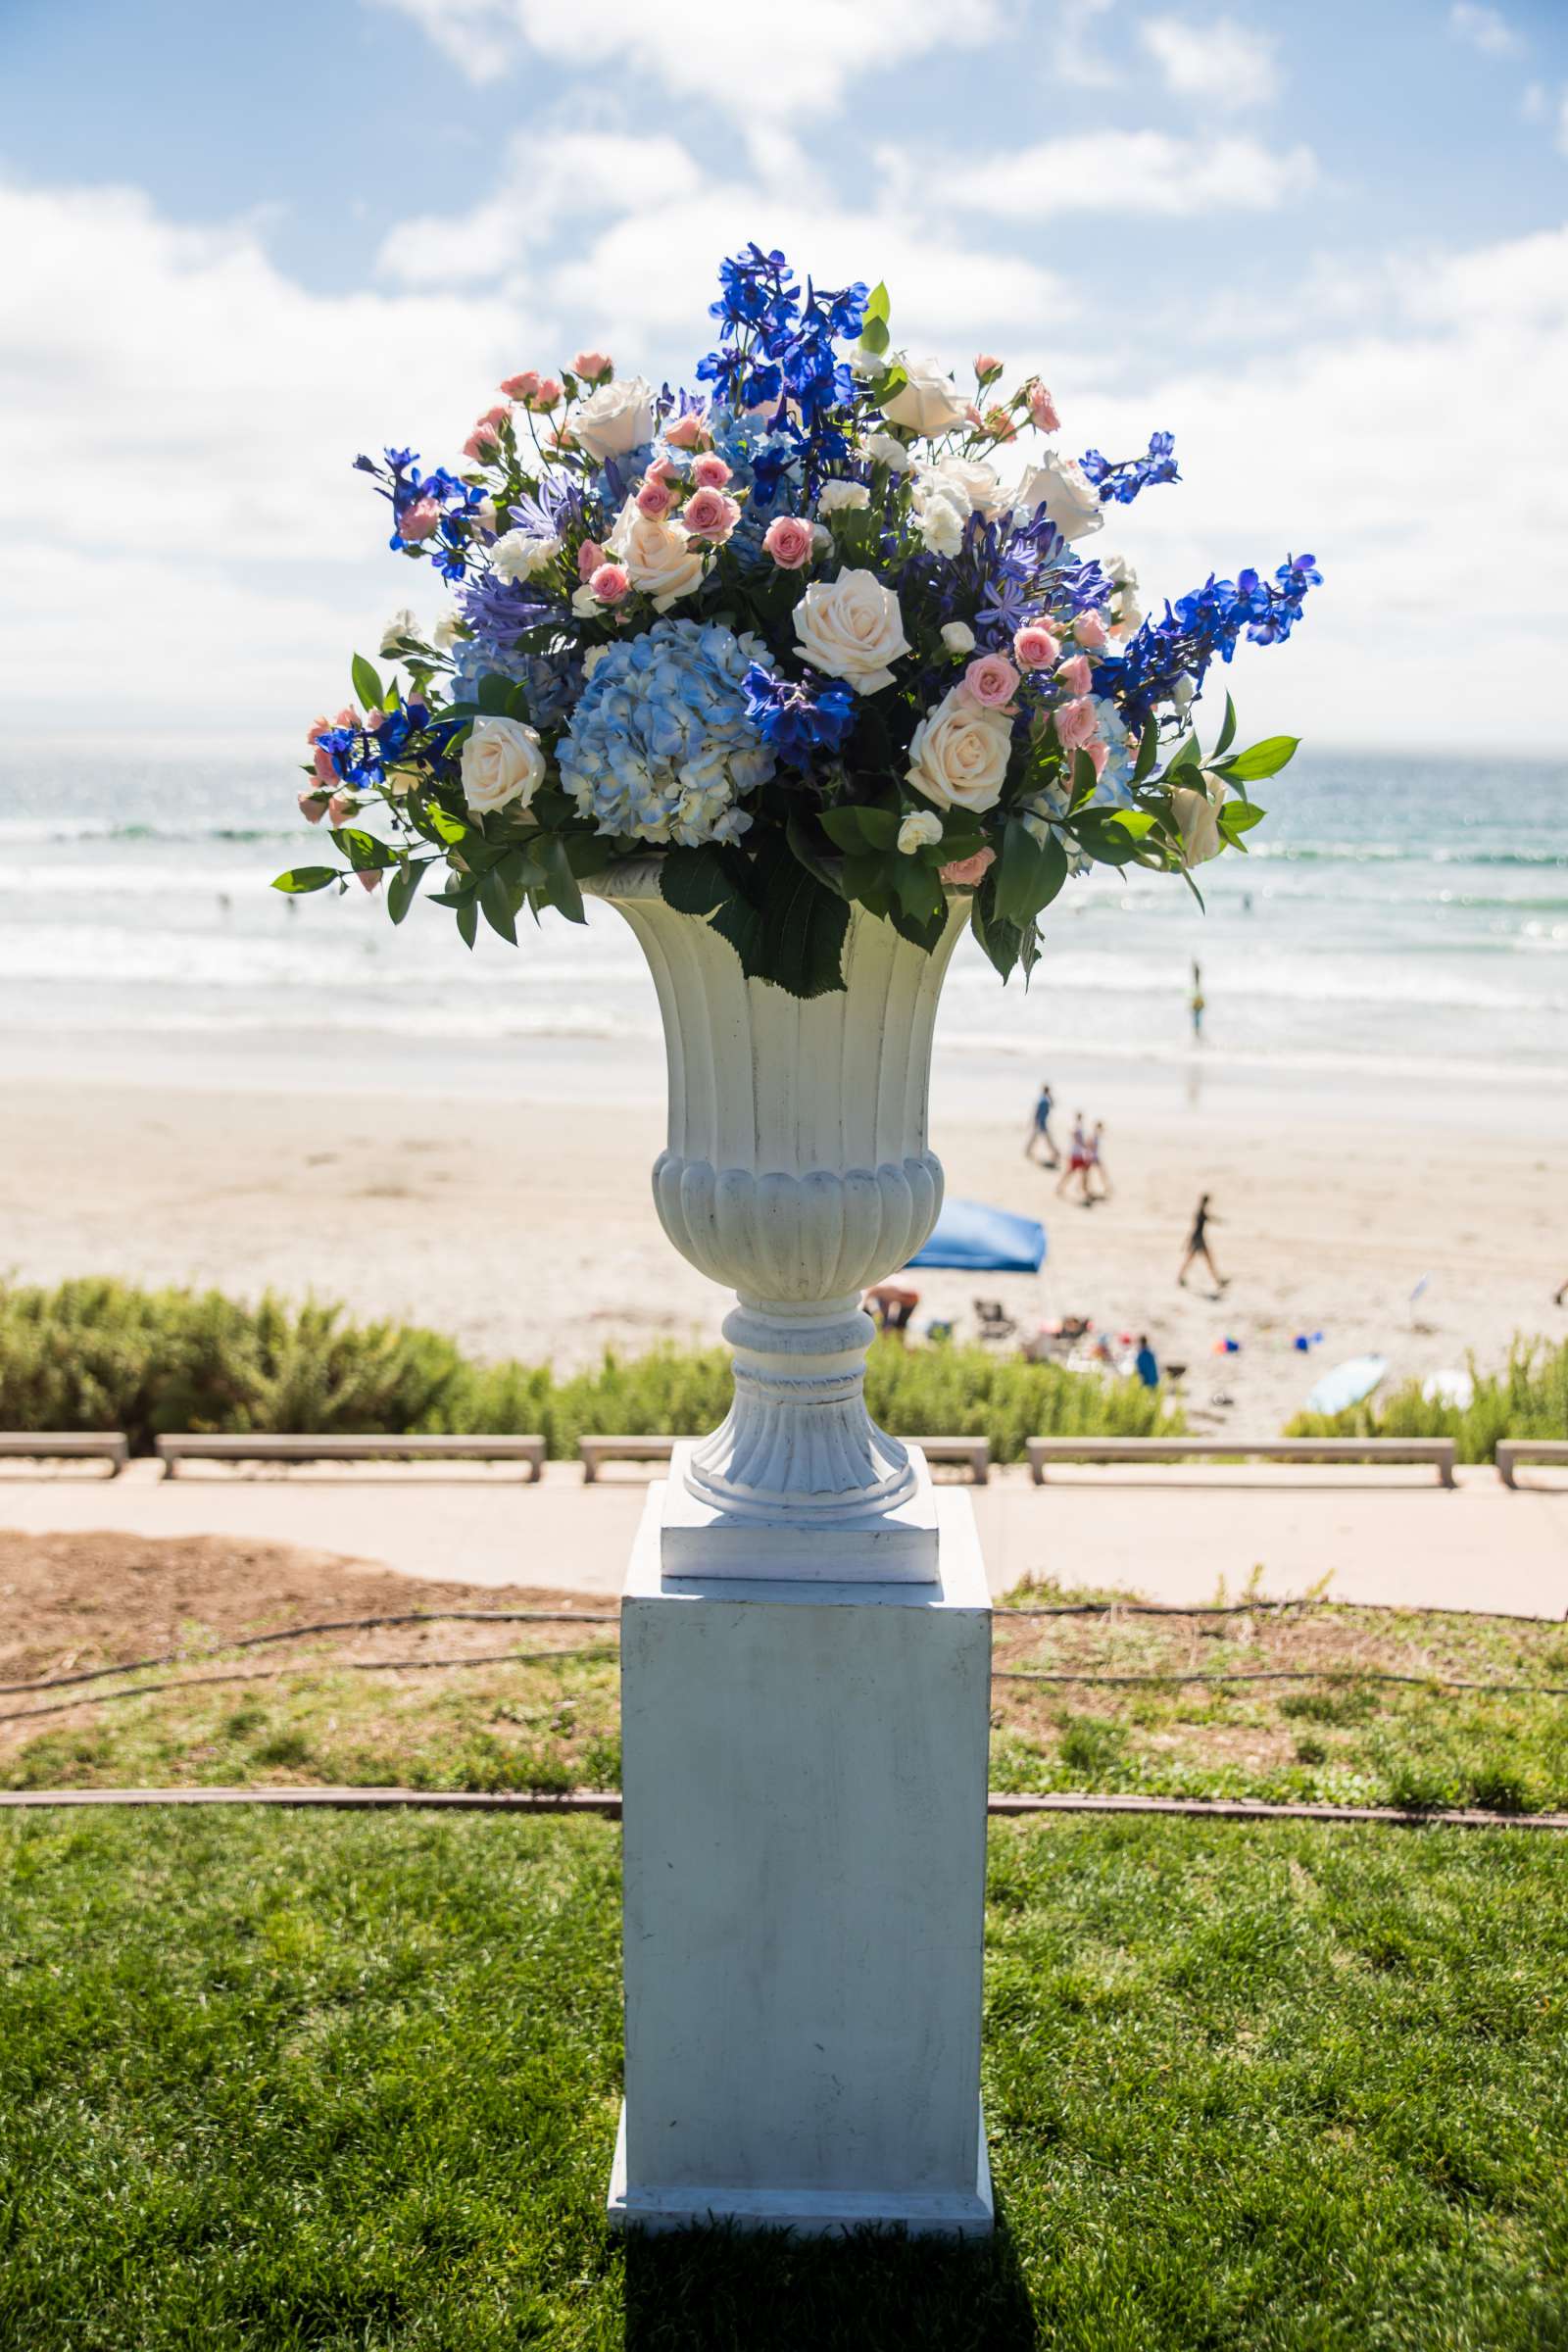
{"points": [[1171, 1534]]}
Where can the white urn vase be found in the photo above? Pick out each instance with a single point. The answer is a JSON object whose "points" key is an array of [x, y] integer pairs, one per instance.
{"points": [[797, 1173]]}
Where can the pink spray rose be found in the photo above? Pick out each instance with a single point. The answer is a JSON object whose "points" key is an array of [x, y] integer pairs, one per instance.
{"points": [[984, 365], [341, 806], [1043, 409], [370, 881], [688, 431], [482, 445], [663, 469], [973, 416], [991, 680], [611, 583], [1073, 676], [313, 807], [592, 364], [1000, 425], [326, 772], [1076, 725], [655, 497], [420, 520], [1034, 647], [521, 387], [548, 393], [969, 869], [348, 717], [496, 415], [318, 728], [709, 515], [1089, 629], [589, 557], [373, 722], [1098, 754], [788, 540], [709, 472]]}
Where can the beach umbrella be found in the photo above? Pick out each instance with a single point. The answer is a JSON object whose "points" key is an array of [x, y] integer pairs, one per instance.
{"points": [[977, 1238], [1346, 1384]]}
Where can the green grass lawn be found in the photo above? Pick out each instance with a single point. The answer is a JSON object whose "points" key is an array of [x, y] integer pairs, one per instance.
{"points": [[274, 2083]]}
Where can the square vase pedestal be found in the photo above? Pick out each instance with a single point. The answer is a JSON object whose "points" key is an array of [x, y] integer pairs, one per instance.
{"points": [[804, 1825]]}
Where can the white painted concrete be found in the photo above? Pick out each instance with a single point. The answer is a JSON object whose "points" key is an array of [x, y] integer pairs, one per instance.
{"points": [[896, 1544], [803, 1839]]}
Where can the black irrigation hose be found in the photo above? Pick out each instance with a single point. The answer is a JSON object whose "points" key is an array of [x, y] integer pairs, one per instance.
{"points": [[1281, 1674], [272, 1674]]}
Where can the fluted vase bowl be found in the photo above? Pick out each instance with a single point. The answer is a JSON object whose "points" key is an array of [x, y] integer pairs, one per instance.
{"points": [[798, 1174]]}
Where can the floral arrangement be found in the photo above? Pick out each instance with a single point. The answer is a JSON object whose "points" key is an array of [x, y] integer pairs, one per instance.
{"points": [[792, 634]]}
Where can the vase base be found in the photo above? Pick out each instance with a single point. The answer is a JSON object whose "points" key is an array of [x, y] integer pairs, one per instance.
{"points": [[897, 1546]]}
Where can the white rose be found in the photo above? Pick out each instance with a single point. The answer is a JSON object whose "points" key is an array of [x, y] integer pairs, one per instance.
{"points": [[966, 481], [958, 753], [836, 494], [929, 403], [614, 419], [957, 637], [502, 762], [851, 628], [444, 636], [883, 450], [1181, 690], [1196, 816], [658, 556], [520, 554], [592, 659], [940, 526], [402, 624], [1069, 498], [918, 830], [821, 539]]}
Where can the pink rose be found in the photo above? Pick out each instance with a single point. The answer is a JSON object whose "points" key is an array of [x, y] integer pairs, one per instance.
{"points": [[341, 806], [372, 720], [370, 881], [326, 772], [494, 417], [611, 583], [654, 498], [663, 469], [709, 472], [482, 445], [1043, 409], [559, 436], [521, 387], [969, 869], [788, 540], [974, 416], [688, 431], [1089, 629], [1073, 676], [589, 557], [591, 363], [548, 393], [984, 365], [1076, 725], [709, 515], [1034, 647], [318, 728], [348, 717], [313, 807], [992, 680], [420, 520], [1099, 753], [1000, 425]]}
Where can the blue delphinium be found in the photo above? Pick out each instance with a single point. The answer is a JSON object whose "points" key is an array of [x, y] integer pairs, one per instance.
{"points": [[1122, 480], [1210, 621], [661, 746], [796, 718]]}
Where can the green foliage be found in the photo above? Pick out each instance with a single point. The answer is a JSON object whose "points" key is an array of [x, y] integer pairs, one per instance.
{"points": [[1527, 1398]]}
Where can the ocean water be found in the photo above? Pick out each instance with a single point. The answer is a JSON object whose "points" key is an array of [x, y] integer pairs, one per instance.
{"points": [[1398, 917]]}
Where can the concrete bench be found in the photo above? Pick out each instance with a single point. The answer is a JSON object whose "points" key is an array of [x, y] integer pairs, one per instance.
{"points": [[1511, 1451], [109, 1445], [1437, 1451], [974, 1452], [260, 1447]]}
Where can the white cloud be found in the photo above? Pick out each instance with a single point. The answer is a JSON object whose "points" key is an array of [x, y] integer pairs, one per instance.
{"points": [[1146, 171], [1223, 62], [805, 54], [1487, 29]]}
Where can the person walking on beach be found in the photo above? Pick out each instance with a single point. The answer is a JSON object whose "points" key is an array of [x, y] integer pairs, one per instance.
{"points": [[1196, 1003], [1198, 1247], [1040, 1128], [1077, 1157], [1097, 1164]]}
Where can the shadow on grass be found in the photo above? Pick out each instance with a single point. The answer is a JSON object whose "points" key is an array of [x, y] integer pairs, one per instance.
{"points": [[721, 2289]]}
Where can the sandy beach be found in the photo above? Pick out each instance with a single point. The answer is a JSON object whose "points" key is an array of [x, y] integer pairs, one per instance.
{"points": [[505, 1198]]}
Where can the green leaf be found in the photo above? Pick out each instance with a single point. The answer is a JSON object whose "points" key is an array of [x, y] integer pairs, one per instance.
{"points": [[400, 889], [1136, 822], [367, 685], [561, 883], [1104, 840], [1227, 734], [844, 828], [1191, 755], [450, 829], [891, 386], [520, 871], [467, 920], [1028, 874], [874, 336], [365, 852], [801, 847], [693, 881], [499, 907], [793, 935], [877, 303], [1085, 782], [1148, 753], [1000, 940], [919, 891], [302, 878], [492, 695], [1264, 759]]}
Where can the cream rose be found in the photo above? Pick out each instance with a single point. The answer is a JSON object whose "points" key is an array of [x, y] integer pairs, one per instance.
{"points": [[1196, 816], [929, 403], [502, 762], [657, 555], [851, 628], [918, 831], [614, 419], [520, 554], [958, 753], [1061, 486], [968, 480]]}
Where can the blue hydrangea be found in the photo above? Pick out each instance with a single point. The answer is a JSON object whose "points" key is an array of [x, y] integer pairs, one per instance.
{"points": [[553, 680], [660, 746]]}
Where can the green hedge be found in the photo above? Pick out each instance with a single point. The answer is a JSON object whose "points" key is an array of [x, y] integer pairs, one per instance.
{"points": [[1527, 1398], [96, 1354]]}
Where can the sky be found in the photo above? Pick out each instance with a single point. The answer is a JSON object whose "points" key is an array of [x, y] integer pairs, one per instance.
{"points": [[1326, 246]]}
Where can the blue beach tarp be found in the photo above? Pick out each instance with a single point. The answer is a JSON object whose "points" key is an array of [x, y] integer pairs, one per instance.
{"points": [[979, 1240], [1346, 1384]]}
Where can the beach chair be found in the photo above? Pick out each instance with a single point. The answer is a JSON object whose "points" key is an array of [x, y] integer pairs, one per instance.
{"points": [[994, 1319]]}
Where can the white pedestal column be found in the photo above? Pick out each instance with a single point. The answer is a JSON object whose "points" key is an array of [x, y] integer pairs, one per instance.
{"points": [[805, 1772]]}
